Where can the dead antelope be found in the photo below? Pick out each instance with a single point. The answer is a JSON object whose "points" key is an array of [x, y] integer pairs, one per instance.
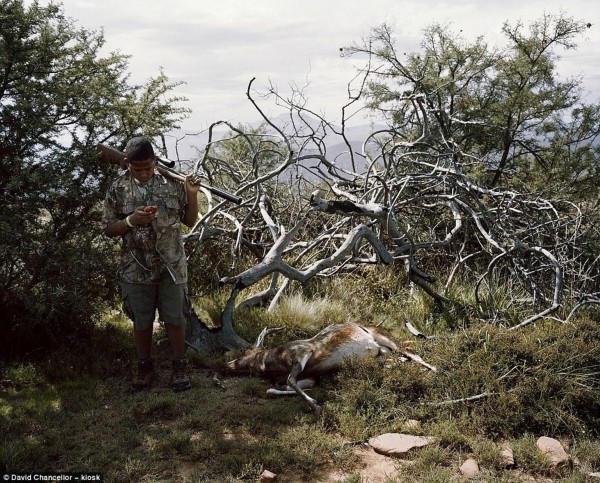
{"points": [[303, 360]]}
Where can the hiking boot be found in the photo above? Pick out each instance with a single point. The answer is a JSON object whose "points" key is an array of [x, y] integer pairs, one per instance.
{"points": [[143, 377], [179, 379]]}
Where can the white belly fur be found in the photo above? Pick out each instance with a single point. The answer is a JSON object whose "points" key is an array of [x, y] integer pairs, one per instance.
{"points": [[353, 348]]}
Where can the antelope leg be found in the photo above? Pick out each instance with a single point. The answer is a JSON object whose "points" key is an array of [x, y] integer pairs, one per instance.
{"points": [[304, 384], [297, 368]]}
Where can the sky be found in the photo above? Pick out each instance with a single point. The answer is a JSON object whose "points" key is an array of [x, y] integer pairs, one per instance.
{"points": [[216, 47]]}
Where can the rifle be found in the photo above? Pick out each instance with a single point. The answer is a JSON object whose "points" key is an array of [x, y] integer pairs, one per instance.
{"points": [[109, 155]]}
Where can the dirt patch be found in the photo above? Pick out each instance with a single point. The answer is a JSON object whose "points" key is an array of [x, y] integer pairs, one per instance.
{"points": [[370, 466]]}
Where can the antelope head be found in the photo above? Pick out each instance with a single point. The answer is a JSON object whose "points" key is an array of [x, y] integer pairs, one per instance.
{"points": [[256, 359]]}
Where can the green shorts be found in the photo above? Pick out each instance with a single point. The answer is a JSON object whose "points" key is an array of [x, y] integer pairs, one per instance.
{"points": [[141, 301]]}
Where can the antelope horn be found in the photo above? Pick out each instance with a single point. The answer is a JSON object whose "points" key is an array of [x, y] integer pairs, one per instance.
{"points": [[265, 332]]}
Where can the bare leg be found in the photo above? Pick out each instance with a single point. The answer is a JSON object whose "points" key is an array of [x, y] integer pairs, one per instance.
{"points": [[179, 378], [143, 343], [176, 335]]}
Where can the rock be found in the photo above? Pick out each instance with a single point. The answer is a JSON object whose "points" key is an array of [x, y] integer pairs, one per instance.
{"points": [[266, 476], [470, 468], [507, 455], [554, 450], [594, 475], [396, 444]]}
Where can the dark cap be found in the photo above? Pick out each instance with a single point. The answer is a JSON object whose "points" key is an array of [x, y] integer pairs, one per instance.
{"points": [[138, 149]]}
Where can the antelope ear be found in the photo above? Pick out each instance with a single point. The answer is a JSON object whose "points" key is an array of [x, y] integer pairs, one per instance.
{"points": [[234, 354]]}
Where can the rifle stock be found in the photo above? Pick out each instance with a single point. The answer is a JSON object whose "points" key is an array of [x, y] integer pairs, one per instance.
{"points": [[109, 155]]}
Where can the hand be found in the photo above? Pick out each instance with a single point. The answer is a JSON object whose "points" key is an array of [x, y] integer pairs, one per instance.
{"points": [[142, 216], [192, 183], [151, 209]]}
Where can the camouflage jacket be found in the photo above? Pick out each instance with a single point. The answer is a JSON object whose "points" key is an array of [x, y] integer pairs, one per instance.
{"points": [[148, 251]]}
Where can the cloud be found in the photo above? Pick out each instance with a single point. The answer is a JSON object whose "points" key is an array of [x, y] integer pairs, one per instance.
{"points": [[216, 47]]}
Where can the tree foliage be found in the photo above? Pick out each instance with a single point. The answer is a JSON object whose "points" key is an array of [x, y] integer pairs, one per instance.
{"points": [[507, 108], [59, 97]]}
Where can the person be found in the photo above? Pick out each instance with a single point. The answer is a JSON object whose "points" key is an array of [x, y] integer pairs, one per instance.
{"points": [[145, 208]]}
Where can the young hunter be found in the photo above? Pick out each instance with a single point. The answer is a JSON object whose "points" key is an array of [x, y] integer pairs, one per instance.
{"points": [[146, 208]]}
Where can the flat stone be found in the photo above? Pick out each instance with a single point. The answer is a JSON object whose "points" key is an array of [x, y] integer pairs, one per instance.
{"points": [[396, 444], [470, 468], [554, 450]]}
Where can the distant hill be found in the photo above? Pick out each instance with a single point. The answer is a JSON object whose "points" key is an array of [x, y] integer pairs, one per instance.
{"points": [[338, 152]]}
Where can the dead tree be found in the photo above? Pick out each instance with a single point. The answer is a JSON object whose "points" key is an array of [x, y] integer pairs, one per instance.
{"points": [[388, 200]]}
